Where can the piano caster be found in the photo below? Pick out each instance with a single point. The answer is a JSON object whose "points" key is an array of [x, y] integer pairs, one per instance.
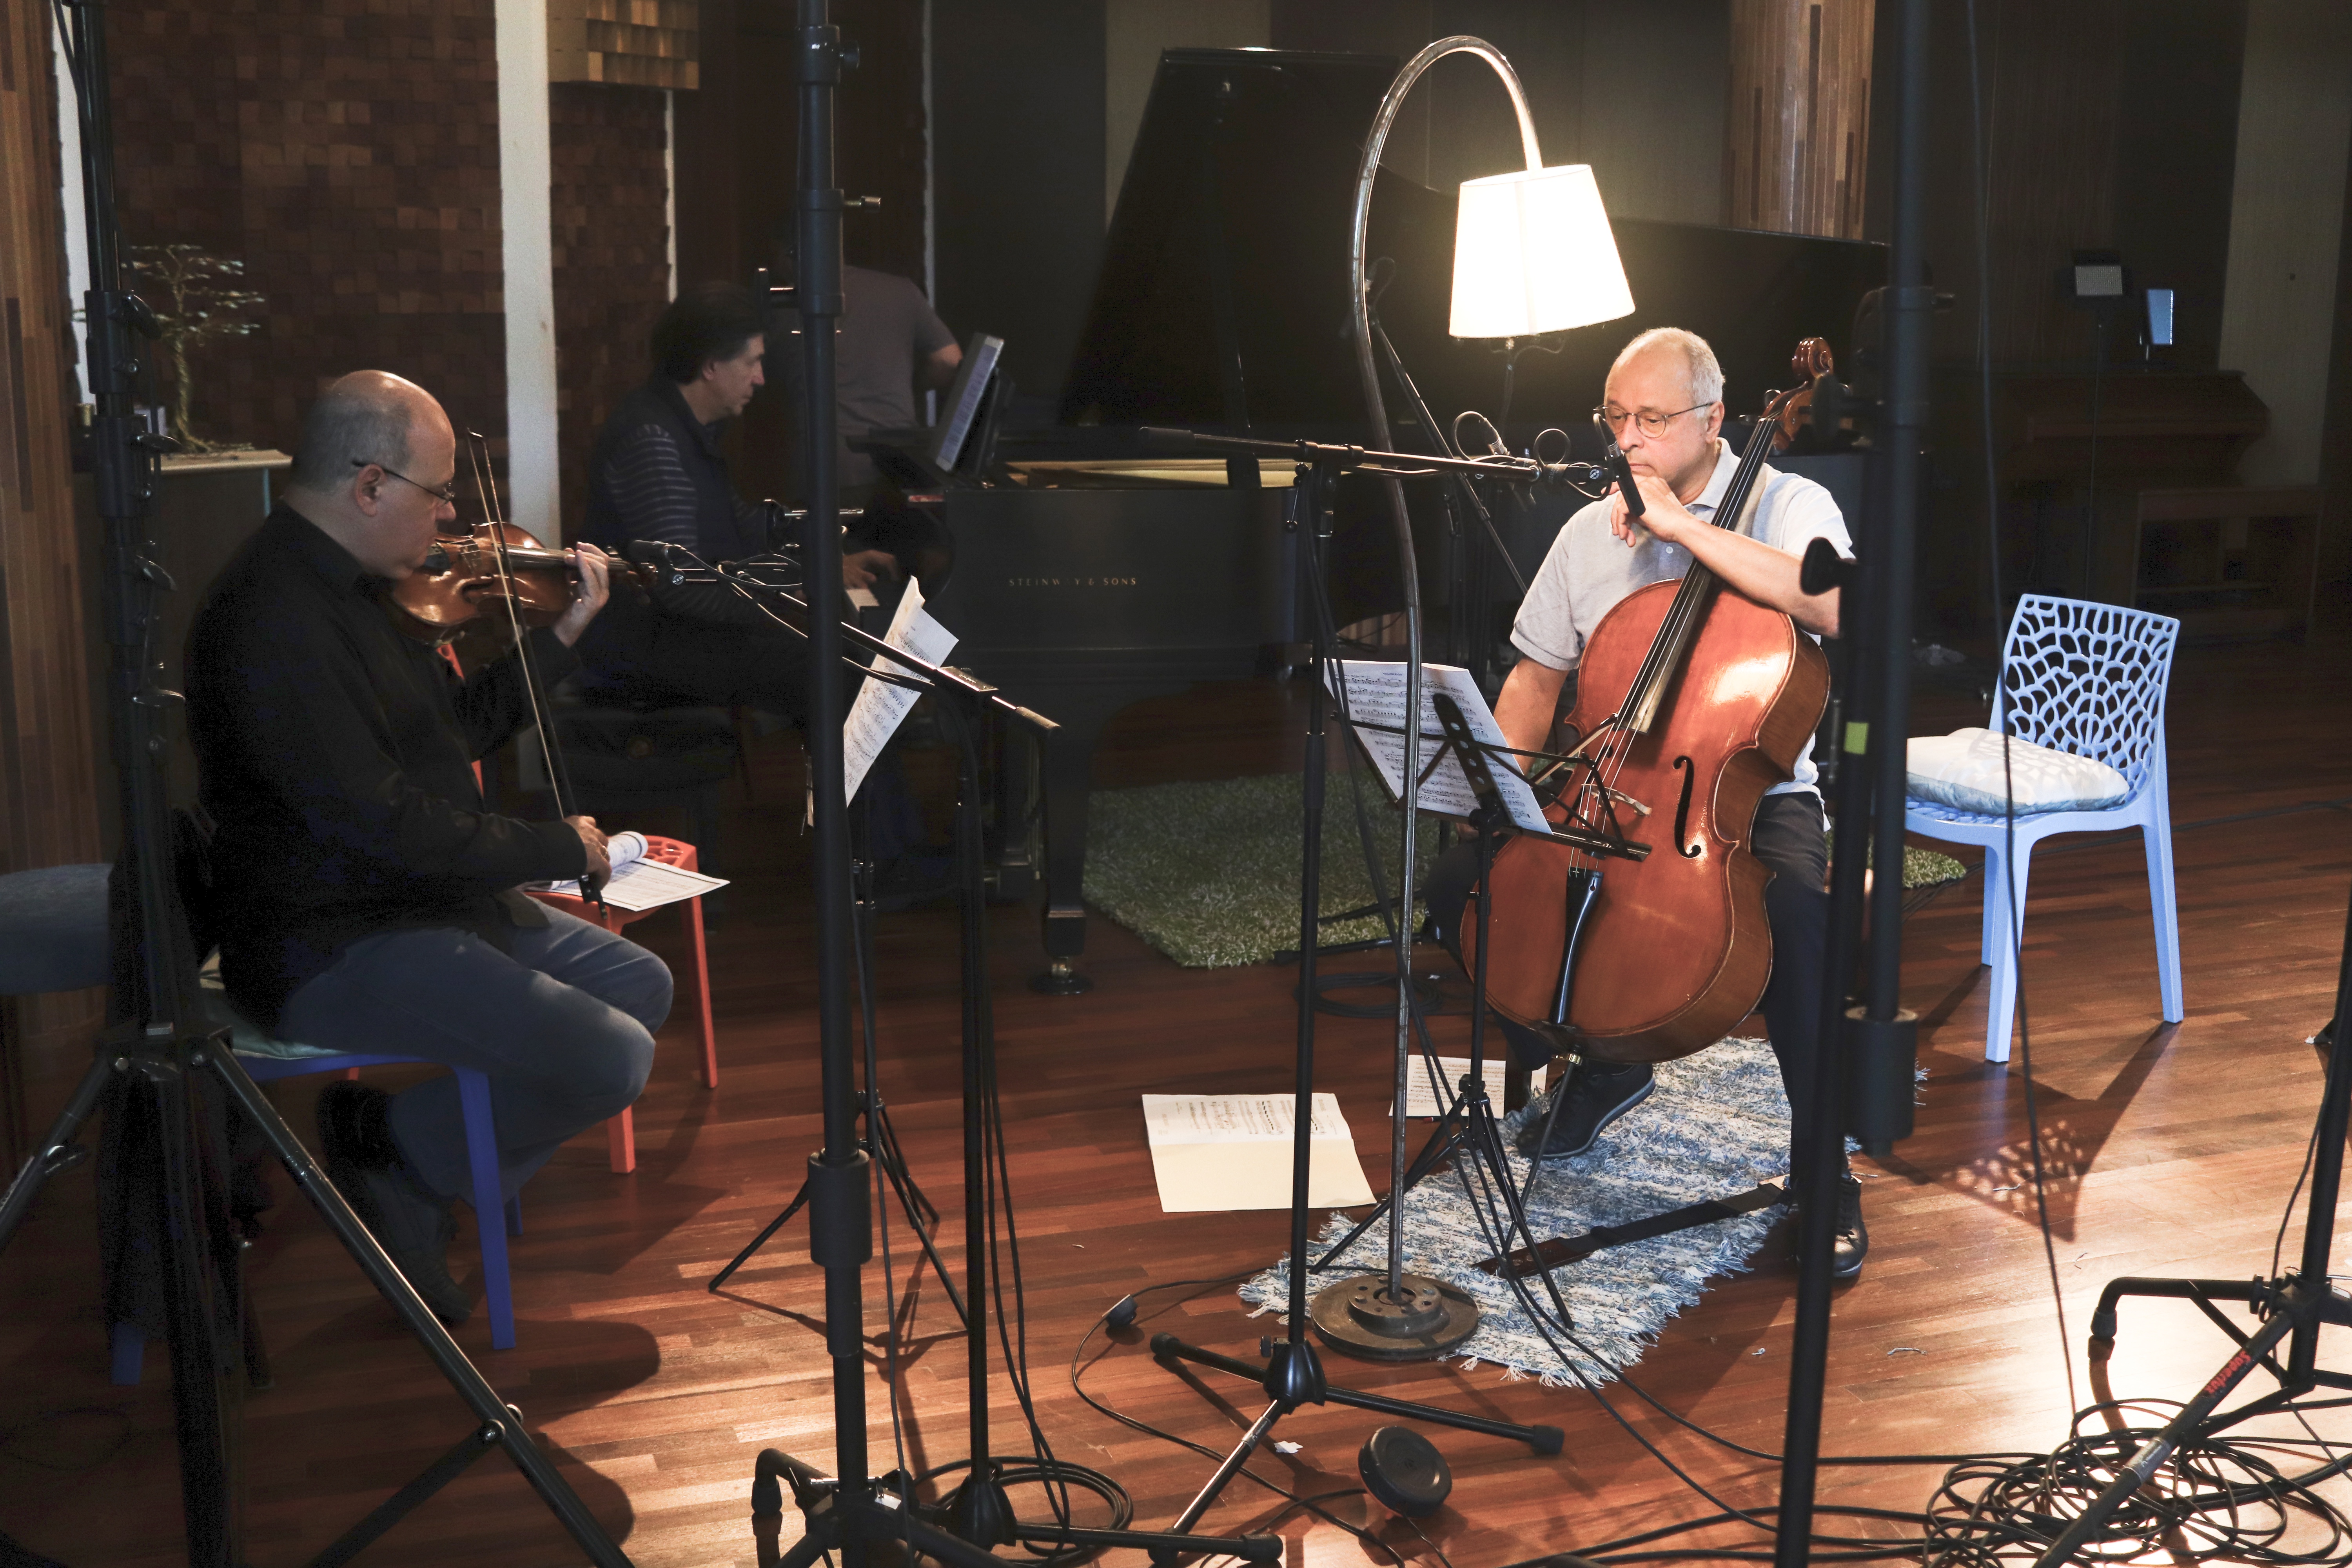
{"points": [[1060, 980]]}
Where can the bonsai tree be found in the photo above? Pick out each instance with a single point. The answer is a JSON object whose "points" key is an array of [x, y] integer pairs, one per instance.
{"points": [[196, 300]]}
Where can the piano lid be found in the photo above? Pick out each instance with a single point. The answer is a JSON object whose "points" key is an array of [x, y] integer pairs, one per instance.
{"points": [[1223, 299]]}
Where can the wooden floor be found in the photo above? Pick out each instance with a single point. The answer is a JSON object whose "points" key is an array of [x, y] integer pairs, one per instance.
{"points": [[2170, 1151]]}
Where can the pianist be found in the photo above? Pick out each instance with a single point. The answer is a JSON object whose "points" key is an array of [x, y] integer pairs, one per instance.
{"points": [[1663, 403], [656, 473]]}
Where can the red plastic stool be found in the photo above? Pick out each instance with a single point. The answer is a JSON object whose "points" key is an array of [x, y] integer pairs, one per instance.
{"points": [[621, 1130]]}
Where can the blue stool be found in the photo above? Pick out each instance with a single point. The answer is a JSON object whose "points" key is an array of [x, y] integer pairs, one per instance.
{"points": [[53, 930], [265, 1059]]}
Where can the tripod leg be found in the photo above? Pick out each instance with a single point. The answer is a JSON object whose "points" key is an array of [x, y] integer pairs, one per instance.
{"points": [[884, 1142], [1443, 1140], [57, 1152], [496, 1418], [800, 1201], [1542, 1439], [1231, 1468]]}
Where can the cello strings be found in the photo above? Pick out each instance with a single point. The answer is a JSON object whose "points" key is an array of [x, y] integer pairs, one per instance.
{"points": [[1681, 621]]}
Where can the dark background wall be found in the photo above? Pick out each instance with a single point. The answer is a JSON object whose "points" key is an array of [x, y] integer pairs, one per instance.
{"points": [[609, 213], [1017, 96], [350, 157]]}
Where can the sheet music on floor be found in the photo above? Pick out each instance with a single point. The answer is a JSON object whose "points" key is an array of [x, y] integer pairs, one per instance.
{"points": [[1214, 1153], [644, 885], [874, 718], [1375, 696], [1420, 1101]]}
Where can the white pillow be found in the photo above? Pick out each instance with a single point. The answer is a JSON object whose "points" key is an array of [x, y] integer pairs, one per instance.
{"points": [[1963, 771]]}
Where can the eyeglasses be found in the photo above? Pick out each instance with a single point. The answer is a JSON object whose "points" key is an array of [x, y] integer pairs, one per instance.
{"points": [[1651, 425], [445, 494]]}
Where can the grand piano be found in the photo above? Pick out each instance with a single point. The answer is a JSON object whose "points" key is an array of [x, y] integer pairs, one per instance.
{"points": [[1083, 569]]}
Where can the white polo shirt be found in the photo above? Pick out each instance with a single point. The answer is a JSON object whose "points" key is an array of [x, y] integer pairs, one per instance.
{"points": [[1589, 569]]}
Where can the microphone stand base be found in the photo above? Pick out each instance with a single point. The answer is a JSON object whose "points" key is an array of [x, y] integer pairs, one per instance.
{"points": [[1362, 1317]]}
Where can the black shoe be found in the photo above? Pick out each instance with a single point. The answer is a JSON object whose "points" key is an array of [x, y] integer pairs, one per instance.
{"points": [[1850, 1243], [1592, 1096], [1853, 1241], [412, 1224]]}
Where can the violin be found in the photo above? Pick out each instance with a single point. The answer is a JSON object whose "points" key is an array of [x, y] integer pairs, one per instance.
{"points": [[487, 586], [1690, 702]]}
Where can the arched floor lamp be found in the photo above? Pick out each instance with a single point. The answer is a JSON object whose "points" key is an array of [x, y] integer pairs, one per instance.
{"points": [[1532, 253]]}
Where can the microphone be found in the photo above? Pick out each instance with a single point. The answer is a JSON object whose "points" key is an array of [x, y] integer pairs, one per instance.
{"points": [[1623, 473]]}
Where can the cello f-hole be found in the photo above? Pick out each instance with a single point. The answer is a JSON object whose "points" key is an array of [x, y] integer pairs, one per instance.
{"points": [[1681, 809]]}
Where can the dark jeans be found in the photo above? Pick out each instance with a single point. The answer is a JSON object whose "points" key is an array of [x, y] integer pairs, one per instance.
{"points": [[562, 1025], [1788, 839]]}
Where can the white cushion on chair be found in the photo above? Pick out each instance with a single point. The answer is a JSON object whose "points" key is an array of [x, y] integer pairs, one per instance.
{"points": [[1963, 771]]}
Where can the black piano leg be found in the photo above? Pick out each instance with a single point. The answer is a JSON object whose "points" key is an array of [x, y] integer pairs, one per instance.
{"points": [[1064, 759]]}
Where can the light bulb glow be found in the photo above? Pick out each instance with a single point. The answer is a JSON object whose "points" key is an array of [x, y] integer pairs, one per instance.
{"points": [[1533, 253]]}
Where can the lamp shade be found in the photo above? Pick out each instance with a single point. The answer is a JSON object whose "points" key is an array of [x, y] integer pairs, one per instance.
{"points": [[1533, 253]]}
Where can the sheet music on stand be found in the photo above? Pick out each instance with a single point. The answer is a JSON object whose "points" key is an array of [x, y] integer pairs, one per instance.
{"points": [[876, 715], [1375, 707]]}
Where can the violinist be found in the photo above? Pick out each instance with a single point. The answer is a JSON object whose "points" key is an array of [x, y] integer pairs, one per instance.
{"points": [[366, 898], [1663, 404]]}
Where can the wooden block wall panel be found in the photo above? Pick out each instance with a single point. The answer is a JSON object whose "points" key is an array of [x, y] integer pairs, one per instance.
{"points": [[348, 153], [1796, 128], [611, 238], [635, 43]]}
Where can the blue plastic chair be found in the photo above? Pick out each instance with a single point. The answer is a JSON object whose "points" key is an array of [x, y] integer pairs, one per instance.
{"points": [[277, 1060], [2087, 679]]}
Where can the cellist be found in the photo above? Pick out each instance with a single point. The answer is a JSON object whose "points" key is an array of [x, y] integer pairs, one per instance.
{"points": [[1663, 403]]}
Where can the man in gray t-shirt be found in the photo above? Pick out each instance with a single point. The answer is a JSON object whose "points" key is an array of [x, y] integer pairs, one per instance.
{"points": [[890, 346], [1664, 404]]}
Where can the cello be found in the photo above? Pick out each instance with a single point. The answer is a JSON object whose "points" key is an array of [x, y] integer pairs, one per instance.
{"points": [[1691, 701]]}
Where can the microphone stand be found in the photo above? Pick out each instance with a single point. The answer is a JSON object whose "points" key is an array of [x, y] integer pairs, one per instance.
{"points": [[880, 1140], [978, 1514]]}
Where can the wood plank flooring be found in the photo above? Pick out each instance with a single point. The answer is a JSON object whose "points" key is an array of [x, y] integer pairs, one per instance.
{"points": [[2170, 1150]]}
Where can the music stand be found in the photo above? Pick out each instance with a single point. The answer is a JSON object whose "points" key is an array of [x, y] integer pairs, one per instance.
{"points": [[1496, 813]]}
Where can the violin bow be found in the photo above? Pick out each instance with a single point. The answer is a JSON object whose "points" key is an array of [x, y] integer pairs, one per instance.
{"points": [[550, 750]]}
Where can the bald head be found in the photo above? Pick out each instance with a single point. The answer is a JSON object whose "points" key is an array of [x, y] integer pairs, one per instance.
{"points": [[367, 417], [376, 460]]}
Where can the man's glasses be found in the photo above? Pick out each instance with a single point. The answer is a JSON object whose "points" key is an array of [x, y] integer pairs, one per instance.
{"points": [[1651, 425], [445, 494]]}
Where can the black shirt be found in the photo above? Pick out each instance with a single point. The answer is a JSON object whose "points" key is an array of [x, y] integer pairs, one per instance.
{"points": [[335, 757]]}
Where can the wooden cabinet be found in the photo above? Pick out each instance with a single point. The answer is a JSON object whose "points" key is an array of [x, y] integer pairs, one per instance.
{"points": [[2231, 561]]}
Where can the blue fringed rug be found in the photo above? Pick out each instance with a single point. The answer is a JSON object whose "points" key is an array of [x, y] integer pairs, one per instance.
{"points": [[1716, 1126]]}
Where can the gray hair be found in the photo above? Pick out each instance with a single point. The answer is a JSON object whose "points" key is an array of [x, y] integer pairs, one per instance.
{"points": [[367, 415], [1701, 373]]}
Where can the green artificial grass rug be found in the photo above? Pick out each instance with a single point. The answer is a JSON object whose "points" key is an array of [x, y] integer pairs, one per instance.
{"points": [[1208, 873]]}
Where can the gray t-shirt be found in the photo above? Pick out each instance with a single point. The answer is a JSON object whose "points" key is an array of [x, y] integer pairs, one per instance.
{"points": [[1589, 569], [887, 330]]}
